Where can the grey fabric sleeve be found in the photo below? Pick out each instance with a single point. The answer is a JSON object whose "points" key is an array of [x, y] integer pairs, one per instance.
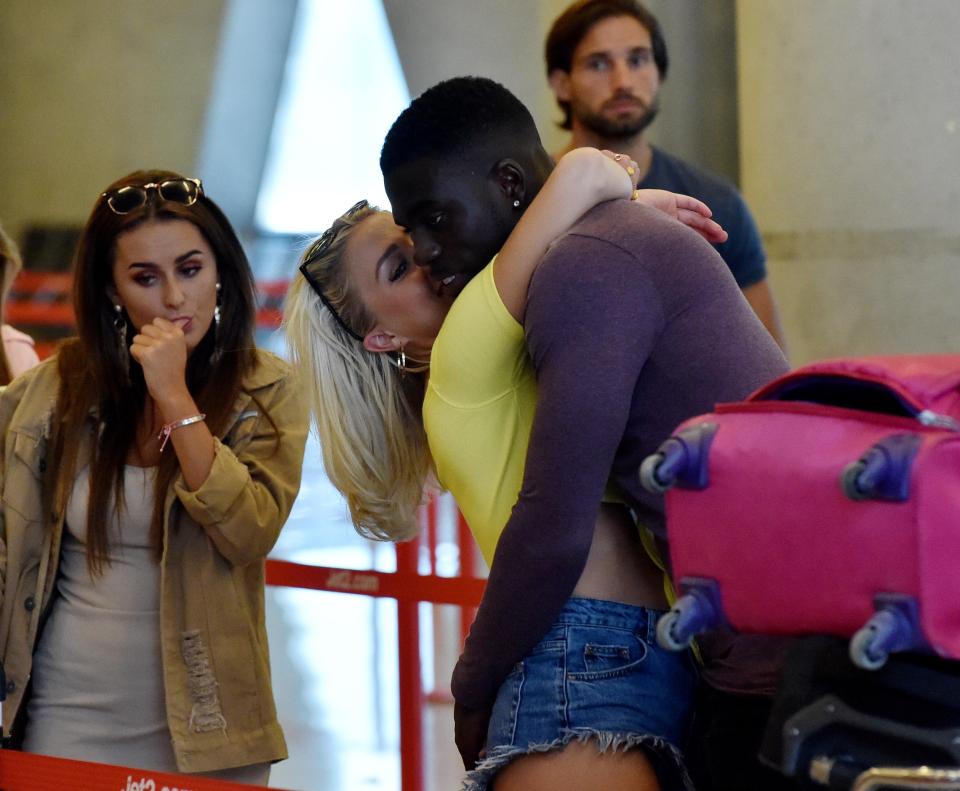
{"points": [[592, 319]]}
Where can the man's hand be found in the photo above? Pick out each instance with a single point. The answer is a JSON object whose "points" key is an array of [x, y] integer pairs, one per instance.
{"points": [[470, 733], [691, 212]]}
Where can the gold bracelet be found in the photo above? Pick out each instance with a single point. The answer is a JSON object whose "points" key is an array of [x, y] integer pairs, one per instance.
{"points": [[169, 428]]}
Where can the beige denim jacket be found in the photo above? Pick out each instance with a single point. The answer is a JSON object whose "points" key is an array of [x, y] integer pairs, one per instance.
{"points": [[216, 670]]}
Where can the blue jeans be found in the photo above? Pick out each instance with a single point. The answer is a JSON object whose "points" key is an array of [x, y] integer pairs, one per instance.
{"points": [[599, 675]]}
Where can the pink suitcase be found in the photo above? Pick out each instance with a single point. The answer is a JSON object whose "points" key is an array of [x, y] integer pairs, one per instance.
{"points": [[827, 502]]}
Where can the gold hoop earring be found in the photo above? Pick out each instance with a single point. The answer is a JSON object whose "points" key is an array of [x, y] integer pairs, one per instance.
{"points": [[123, 351], [217, 350], [408, 365]]}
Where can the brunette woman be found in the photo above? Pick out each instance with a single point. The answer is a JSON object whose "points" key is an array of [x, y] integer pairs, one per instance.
{"points": [[147, 471]]}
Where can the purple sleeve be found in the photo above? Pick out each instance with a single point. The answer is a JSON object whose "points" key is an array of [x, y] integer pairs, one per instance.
{"points": [[591, 321]]}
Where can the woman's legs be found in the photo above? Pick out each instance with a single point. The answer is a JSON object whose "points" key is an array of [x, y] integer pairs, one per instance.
{"points": [[595, 704], [579, 767]]}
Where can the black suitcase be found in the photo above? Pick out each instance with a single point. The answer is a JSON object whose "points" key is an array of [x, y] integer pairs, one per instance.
{"points": [[834, 725]]}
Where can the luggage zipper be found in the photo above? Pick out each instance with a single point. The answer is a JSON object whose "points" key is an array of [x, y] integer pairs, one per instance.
{"points": [[926, 418], [930, 418]]}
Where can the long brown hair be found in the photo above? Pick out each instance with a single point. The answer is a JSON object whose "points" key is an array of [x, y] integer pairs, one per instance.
{"points": [[94, 380], [9, 267]]}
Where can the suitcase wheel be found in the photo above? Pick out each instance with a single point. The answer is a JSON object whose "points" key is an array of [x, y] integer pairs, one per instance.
{"points": [[864, 651], [850, 481], [669, 634], [883, 472], [648, 474], [698, 610], [895, 626], [680, 460]]}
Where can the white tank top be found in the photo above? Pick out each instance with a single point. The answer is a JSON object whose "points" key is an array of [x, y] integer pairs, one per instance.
{"points": [[97, 673]]}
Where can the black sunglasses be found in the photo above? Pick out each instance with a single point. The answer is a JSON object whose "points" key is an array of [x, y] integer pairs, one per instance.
{"points": [[127, 199], [313, 254]]}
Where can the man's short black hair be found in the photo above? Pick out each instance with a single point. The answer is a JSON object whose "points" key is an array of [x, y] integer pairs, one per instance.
{"points": [[453, 115], [572, 25]]}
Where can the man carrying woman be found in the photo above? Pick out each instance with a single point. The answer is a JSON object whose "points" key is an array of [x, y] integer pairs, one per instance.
{"points": [[632, 324]]}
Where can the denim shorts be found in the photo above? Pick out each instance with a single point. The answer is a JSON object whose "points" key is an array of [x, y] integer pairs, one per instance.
{"points": [[598, 675]]}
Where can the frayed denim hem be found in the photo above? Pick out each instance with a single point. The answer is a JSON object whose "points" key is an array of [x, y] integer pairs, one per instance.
{"points": [[667, 758]]}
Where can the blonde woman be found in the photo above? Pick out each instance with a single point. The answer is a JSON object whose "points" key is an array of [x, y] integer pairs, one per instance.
{"points": [[17, 353]]}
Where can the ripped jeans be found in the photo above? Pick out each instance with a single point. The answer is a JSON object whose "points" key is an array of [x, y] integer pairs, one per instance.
{"points": [[598, 674]]}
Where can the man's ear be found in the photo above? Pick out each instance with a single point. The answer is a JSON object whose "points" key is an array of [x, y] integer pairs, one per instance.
{"points": [[378, 341], [511, 179], [560, 84]]}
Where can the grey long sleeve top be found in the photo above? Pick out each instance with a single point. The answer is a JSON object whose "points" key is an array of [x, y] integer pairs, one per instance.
{"points": [[633, 324]]}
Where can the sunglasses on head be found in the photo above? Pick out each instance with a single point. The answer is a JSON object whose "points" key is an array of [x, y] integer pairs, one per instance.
{"points": [[314, 252], [124, 200]]}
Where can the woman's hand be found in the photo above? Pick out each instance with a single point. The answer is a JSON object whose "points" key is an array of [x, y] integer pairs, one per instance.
{"points": [[161, 350], [691, 212]]}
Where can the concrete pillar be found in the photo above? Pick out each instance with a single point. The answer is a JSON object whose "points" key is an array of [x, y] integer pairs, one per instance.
{"points": [[850, 158], [246, 86], [92, 90], [499, 39]]}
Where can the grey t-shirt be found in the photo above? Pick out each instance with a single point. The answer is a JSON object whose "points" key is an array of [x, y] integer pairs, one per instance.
{"points": [[633, 324]]}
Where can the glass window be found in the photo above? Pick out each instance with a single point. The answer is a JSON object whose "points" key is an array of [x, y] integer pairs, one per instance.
{"points": [[342, 90]]}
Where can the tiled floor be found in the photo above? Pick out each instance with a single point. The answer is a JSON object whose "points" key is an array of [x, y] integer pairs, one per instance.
{"points": [[334, 660]]}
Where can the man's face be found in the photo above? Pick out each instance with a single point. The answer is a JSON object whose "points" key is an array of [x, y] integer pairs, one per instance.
{"points": [[455, 214], [613, 80]]}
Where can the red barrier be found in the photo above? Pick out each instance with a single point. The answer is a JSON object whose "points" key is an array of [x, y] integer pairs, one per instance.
{"points": [[411, 681], [40, 303], [26, 772], [468, 567], [404, 585], [409, 588]]}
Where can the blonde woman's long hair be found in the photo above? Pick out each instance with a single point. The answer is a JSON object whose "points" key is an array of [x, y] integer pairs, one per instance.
{"points": [[10, 266], [367, 414]]}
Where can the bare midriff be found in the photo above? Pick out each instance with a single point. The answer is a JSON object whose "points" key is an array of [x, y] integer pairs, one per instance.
{"points": [[618, 567]]}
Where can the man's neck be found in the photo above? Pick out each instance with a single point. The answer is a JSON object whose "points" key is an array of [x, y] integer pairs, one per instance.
{"points": [[538, 172], [636, 147]]}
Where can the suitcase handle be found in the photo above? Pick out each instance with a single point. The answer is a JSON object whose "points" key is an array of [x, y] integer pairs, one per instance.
{"points": [[912, 778], [848, 775], [830, 714]]}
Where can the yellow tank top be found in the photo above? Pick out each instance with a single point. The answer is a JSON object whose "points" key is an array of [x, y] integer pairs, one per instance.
{"points": [[479, 406], [478, 413]]}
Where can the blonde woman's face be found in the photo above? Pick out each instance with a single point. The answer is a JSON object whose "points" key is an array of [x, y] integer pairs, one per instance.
{"points": [[396, 292]]}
